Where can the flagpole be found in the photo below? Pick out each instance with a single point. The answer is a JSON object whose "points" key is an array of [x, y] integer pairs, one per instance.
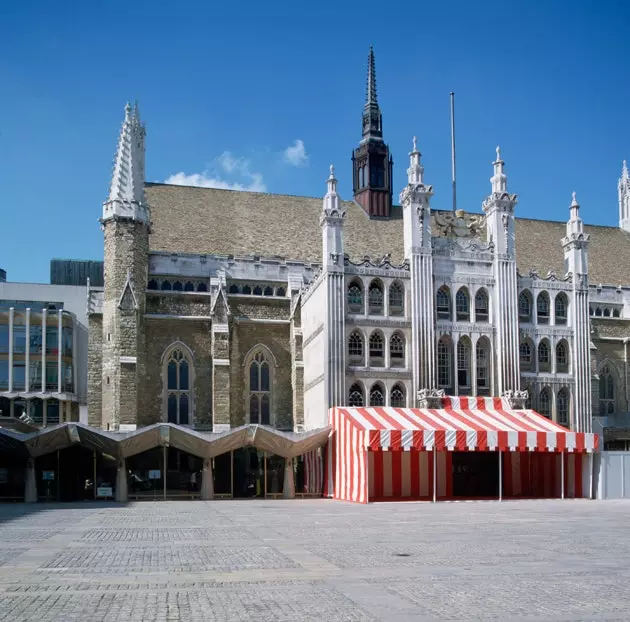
{"points": [[453, 170]]}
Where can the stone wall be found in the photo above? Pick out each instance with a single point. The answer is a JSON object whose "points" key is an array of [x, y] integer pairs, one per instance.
{"points": [[95, 369], [159, 335], [178, 304]]}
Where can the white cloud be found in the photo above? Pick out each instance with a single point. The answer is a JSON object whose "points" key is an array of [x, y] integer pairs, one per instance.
{"points": [[295, 154], [233, 167]]}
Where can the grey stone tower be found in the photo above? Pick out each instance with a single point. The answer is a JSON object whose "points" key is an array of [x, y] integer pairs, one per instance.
{"points": [[126, 225]]}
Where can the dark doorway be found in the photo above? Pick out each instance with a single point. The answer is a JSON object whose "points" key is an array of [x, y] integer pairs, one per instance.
{"points": [[76, 474], [475, 474], [249, 473]]}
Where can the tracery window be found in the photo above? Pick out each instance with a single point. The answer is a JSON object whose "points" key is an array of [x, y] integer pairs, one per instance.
{"points": [[259, 390], [178, 286], [355, 348], [153, 284], [482, 312], [189, 287], [396, 299], [443, 303], [397, 396], [544, 360], [377, 395], [375, 298], [525, 353], [482, 352], [562, 357], [202, 287], [376, 349], [355, 396], [525, 307], [397, 350], [462, 305], [544, 402], [606, 391], [444, 363], [166, 286], [542, 308], [463, 365], [355, 297], [561, 305], [562, 407], [178, 381]]}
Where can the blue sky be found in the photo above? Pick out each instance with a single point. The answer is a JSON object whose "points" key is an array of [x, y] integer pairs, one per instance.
{"points": [[225, 88]]}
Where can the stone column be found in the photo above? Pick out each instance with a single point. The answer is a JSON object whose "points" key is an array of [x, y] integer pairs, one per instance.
{"points": [[121, 482], [288, 490], [30, 483], [207, 484]]}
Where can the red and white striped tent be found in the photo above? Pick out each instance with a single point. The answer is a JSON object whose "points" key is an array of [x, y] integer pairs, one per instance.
{"points": [[390, 453]]}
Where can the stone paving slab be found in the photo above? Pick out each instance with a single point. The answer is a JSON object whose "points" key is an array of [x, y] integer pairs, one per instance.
{"points": [[315, 560]]}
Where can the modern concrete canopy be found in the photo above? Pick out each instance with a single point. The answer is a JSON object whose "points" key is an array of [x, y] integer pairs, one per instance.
{"points": [[122, 445]]}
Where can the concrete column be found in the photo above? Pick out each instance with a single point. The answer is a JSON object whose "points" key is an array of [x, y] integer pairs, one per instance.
{"points": [[207, 483], [30, 483], [59, 348], [288, 491], [11, 319], [121, 482], [44, 317], [27, 354]]}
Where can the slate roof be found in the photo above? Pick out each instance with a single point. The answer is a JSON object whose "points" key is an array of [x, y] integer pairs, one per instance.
{"points": [[208, 220]]}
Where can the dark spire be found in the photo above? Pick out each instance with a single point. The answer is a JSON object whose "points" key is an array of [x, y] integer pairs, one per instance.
{"points": [[372, 119]]}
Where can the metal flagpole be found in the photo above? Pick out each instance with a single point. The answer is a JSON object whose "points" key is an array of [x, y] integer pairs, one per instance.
{"points": [[562, 475], [164, 467], [434, 474], [453, 150], [500, 477]]}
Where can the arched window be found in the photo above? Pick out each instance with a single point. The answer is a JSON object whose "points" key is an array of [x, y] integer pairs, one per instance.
{"points": [[268, 291], [260, 389], [562, 357], [590, 311], [462, 305], [598, 312], [355, 297], [375, 298], [443, 303], [606, 391], [397, 396], [377, 395], [377, 351], [616, 313], [525, 306], [355, 348], [482, 352], [542, 308], [544, 358], [397, 350], [355, 396], [525, 354], [257, 291], [396, 299], [463, 365], [562, 306], [233, 289], [177, 386], [246, 290], [562, 407], [153, 284], [482, 310], [544, 403], [202, 287], [280, 291], [444, 362], [166, 286], [189, 287], [606, 312], [178, 286]]}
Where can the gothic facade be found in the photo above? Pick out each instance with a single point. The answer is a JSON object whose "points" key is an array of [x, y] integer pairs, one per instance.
{"points": [[222, 308]]}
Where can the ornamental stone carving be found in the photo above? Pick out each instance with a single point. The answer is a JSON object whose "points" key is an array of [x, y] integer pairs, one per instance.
{"points": [[430, 398], [516, 399], [458, 225]]}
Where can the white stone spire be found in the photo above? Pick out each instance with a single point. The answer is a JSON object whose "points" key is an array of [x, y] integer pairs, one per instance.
{"points": [[575, 243], [499, 179], [624, 198], [332, 223], [415, 172], [126, 193]]}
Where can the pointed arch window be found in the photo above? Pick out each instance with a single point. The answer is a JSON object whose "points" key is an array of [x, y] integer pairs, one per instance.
{"points": [[166, 286], [178, 286], [561, 308], [482, 311], [355, 297], [562, 407], [482, 352], [606, 391], [375, 298], [462, 305], [376, 349], [444, 363], [397, 396], [562, 357], [179, 370], [463, 365], [377, 395], [397, 350], [355, 348], [153, 284], [544, 403], [542, 308], [544, 360], [396, 299], [525, 307], [355, 396], [525, 353], [260, 390], [443, 303], [189, 287]]}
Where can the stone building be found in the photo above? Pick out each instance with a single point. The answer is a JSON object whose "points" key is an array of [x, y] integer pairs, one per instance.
{"points": [[223, 308]]}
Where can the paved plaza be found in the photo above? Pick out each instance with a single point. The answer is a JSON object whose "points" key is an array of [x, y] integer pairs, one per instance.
{"points": [[315, 560]]}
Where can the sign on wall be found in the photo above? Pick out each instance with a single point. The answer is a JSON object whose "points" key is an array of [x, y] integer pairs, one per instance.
{"points": [[104, 491], [156, 474], [48, 476]]}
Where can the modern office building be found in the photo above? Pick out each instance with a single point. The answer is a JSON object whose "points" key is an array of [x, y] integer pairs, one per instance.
{"points": [[76, 272]]}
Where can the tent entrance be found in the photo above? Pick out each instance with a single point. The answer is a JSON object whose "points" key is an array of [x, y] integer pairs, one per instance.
{"points": [[475, 474]]}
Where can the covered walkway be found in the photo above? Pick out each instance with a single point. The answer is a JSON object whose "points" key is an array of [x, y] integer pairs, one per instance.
{"points": [[74, 461]]}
